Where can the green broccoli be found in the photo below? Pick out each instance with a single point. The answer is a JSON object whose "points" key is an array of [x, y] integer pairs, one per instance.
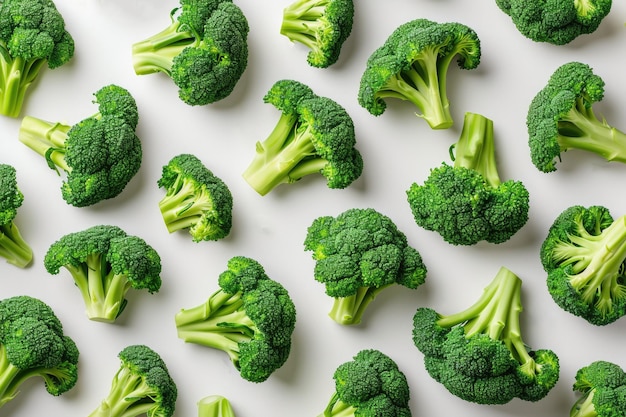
{"points": [[412, 64], [313, 135], [478, 354], [215, 406], [358, 254], [32, 35], [99, 155], [556, 22], [105, 263], [141, 386], [467, 202], [584, 255], [561, 117], [13, 247], [321, 25], [602, 386], [250, 317], [195, 199], [204, 50], [371, 384], [33, 344]]}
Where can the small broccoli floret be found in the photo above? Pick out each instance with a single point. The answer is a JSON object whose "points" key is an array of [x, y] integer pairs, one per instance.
{"points": [[204, 50], [250, 317], [32, 344], [141, 386], [13, 247], [32, 36], [467, 202], [320, 25], [479, 354], [99, 155], [313, 135], [105, 263], [413, 64], [195, 199], [215, 406], [358, 254], [584, 255], [602, 386]]}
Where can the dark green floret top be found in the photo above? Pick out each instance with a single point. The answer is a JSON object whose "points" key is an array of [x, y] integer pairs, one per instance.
{"points": [[13, 247], [602, 389]]}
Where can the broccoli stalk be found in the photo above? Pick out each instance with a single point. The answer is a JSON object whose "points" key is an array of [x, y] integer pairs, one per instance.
{"points": [[215, 406], [13, 247]]}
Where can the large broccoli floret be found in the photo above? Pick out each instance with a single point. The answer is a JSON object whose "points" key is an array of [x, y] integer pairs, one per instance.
{"points": [[32, 344], [99, 155], [250, 317], [313, 135], [467, 202], [32, 35], [479, 354], [358, 254], [142, 386], [204, 50], [413, 64], [195, 199], [105, 263], [584, 255], [13, 247], [321, 25], [602, 386]]}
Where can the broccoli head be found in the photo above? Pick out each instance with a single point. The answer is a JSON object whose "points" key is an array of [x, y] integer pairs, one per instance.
{"points": [[13, 247], [602, 389]]}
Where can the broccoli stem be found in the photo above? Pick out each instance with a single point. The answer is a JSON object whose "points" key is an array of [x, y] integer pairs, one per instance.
{"points": [[349, 310], [47, 139], [302, 21], [184, 205], [13, 247], [337, 408], [9, 381], [16, 76], [129, 396], [584, 407]]}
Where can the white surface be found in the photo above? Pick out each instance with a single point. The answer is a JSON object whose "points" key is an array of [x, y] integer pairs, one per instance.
{"points": [[398, 149]]}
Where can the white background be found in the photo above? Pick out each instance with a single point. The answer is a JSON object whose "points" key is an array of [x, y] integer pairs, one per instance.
{"points": [[398, 149]]}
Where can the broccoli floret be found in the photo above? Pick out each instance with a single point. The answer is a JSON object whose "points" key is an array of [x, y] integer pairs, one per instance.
{"points": [[371, 384], [215, 406], [479, 354], [358, 254], [195, 199], [105, 263], [99, 155], [313, 135], [141, 386], [13, 247], [32, 35], [412, 64], [466, 202], [584, 255], [33, 344], [602, 386], [561, 117], [320, 25], [204, 50], [250, 317]]}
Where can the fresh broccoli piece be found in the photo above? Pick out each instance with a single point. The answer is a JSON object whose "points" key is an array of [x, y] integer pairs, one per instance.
{"points": [[320, 25], [13, 247], [412, 64], [602, 386], [250, 317], [195, 199], [371, 384], [584, 255], [466, 202], [33, 344], [313, 135], [479, 355], [204, 50], [561, 117], [358, 254], [558, 22], [215, 406], [99, 155], [141, 386], [32, 35], [105, 263]]}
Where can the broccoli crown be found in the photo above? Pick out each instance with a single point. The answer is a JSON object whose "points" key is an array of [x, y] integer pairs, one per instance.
{"points": [[321, 25], [466, 202], [412, 64], [250, 317], [195, 199], [13, 247], [479, 355], [313, 135], [602, 386], [584, 255], [32, 343], [105, 263]]}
